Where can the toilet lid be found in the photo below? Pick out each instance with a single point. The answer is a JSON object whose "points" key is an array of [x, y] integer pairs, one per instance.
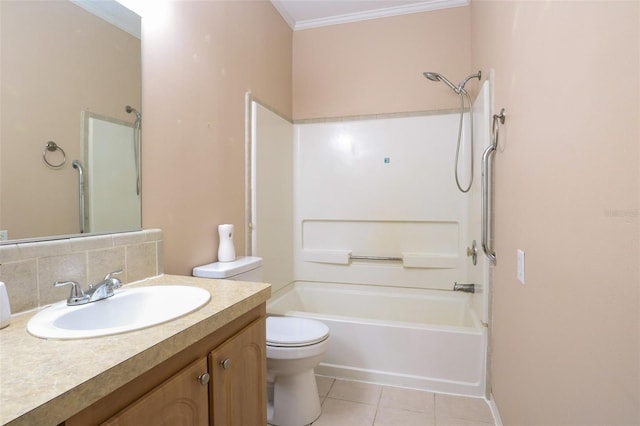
{"points": [[291, 331]]}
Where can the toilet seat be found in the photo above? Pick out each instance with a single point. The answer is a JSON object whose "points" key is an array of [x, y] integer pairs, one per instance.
{"points": [[291, 332]]}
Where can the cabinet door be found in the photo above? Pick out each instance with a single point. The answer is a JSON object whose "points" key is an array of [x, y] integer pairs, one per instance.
{"points": [[180, 401], [238, 371]]}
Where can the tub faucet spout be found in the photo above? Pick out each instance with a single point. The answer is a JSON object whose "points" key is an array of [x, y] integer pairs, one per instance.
{"points": [[467, 288]]}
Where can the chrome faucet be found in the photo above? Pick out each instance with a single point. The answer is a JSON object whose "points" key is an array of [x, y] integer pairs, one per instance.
{"points": [[467, 288], [105, 288], [100, 291]]}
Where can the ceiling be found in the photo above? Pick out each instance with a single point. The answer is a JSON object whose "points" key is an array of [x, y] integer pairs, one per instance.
{"points": [[305, 14]]}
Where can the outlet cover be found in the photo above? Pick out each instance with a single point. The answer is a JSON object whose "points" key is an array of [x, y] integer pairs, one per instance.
{"points": [[4, 235]]}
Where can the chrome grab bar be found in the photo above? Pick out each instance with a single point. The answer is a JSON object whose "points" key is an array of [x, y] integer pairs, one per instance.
{"points": [[376, 258], [487, 230], [78, 165]]}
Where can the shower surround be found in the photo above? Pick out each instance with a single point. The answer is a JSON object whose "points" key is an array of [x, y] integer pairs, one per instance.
{"points": [[380, 236]]}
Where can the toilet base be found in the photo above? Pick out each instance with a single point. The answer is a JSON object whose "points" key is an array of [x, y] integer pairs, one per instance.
{"points": [[295, 400]]}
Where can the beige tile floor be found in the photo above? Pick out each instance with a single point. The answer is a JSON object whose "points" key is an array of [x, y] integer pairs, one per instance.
{"points": [[348, 403]]}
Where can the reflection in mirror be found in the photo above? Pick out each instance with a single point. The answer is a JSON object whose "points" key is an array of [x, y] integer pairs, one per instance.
{"points": [[111, 148], [68, 76]]}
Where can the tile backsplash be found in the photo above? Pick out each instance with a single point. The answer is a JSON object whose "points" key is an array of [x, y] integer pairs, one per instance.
{"points": [[29, 269]]}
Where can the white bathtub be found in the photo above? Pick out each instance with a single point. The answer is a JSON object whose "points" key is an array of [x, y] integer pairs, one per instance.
{"points": [[423, 339]]}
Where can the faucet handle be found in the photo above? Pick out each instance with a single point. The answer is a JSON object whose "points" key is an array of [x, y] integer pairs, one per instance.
{"points": [[110, 274], [115, 282], [77, 296]]}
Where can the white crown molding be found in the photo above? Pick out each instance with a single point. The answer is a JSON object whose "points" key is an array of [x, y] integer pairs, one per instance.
{"points": [[425, 6], [284, 13]]}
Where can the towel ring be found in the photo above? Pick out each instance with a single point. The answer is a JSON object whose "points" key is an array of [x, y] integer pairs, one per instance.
{"points": [[51, 146]]}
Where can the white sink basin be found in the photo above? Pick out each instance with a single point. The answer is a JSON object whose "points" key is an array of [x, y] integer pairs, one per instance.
{"points": [[128, 310]]}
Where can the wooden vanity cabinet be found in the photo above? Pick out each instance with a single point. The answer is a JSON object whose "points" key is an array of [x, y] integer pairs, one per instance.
{"points": [[176, 392], [237, 395], [181, 400]]}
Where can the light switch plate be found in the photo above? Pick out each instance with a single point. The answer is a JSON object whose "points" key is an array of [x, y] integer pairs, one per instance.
{"points": [[521, 266]]}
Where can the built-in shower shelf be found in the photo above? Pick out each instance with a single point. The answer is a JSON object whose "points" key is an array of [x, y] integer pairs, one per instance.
{"points": [[409, 260]]}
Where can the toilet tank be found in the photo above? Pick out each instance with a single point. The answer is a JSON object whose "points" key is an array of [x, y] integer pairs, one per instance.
{"points": [[245, 268]]}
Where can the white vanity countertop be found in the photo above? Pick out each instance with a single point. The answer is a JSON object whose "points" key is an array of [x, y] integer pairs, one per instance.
{"points": [[47, 381]]}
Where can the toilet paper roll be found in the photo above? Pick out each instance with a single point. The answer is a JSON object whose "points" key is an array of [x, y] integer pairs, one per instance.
{"points": [[226, 250]]}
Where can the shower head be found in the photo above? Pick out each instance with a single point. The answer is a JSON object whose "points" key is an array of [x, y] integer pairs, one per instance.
{"points": [[434, 76]]}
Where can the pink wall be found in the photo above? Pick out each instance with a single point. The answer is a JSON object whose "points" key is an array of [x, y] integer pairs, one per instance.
{"points": [[376, 66], [197, 66], [565, 344]]}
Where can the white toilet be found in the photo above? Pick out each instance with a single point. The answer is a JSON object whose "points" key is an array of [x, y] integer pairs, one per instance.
{"points": [[294, 347]]}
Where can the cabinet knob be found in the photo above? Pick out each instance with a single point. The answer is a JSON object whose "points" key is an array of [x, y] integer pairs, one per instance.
{"points": [[203, 378], [225, 363]]}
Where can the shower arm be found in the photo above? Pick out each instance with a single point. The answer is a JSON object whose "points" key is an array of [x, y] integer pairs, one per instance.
{"points": [[463, 83]]}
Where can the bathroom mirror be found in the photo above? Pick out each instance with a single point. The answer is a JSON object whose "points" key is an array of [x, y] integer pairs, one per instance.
{"points": [[68, 72]]}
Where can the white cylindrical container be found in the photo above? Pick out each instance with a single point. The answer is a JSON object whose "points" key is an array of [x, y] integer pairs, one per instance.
{"points": [[226, 250], [5, 309]]}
